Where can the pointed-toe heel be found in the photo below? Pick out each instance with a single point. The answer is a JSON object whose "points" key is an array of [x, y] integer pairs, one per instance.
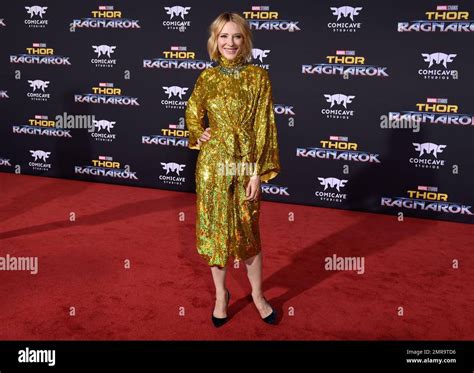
{"points": [[270, 319], [218, 321]]}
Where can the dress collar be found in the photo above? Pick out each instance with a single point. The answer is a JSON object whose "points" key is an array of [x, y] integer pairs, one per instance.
{"points": [[233, 63]]}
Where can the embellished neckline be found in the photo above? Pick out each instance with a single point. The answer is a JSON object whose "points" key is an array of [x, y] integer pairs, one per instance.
{"points": [[231, 67], [235, 62]]}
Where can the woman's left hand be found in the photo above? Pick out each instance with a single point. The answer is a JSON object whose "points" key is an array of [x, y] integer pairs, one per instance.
{"points": [[252, 192]]}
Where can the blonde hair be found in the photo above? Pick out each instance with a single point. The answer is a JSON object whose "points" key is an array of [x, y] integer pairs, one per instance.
{"points": [[216, 27]]}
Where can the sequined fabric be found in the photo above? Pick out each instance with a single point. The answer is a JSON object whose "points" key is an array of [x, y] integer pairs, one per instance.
{"points": [[237, 99]]}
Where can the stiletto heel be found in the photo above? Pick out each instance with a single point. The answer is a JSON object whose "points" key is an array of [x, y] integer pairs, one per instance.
{"points": [[217, 321]]}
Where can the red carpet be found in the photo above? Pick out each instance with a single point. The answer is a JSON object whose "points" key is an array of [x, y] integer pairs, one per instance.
{"points": [[81, 264]]}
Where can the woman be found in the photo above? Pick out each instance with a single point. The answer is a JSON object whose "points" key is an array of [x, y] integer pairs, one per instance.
{"points": [[238, 151]]}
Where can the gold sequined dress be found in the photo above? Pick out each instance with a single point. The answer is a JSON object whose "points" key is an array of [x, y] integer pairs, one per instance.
{"points": [[237, 99]]}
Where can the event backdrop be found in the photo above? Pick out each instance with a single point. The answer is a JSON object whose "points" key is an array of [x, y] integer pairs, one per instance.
{"points": [[373, 99]]}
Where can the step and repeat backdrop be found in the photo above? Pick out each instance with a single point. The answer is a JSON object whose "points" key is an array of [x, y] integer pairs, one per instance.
{"points": [[373, 99]]}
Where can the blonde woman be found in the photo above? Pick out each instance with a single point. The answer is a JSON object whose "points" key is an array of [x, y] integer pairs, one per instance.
{"points": [[237, 152]]}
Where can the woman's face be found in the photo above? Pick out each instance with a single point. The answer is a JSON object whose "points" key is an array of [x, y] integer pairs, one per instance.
{"points": [[230, 40]]}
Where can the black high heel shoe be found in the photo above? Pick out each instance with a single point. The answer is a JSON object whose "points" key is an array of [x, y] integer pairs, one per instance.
{"points": [[217, 321], [270, 319]]}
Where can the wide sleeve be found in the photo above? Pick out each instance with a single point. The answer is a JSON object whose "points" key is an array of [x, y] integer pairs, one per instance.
{"points": [[268, 159], [195, 112]]}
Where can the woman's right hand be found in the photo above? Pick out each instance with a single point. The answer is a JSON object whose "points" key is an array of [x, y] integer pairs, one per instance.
{"points": [[205, 136]]}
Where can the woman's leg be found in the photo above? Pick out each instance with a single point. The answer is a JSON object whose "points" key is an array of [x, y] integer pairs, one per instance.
{"points": [[218, 275], [254, 273]]}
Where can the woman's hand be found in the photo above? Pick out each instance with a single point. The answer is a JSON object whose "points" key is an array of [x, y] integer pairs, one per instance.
{"points": [[252, 192], [205, 136]]}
